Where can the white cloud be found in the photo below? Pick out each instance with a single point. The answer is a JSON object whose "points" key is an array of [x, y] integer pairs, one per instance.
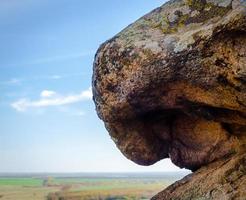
{"points": [[11, 82], [55, 77], [54, 100], [71, 111], [20, 80], [14, 81], [80, 113], [47, 93], [54, 58]]}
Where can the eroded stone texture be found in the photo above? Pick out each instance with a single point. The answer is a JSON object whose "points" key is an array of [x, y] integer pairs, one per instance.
{"points": [[221, 180], [172, 84]]}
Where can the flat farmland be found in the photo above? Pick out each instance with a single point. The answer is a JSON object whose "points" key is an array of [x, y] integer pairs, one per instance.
{"points": [[84, 186]]}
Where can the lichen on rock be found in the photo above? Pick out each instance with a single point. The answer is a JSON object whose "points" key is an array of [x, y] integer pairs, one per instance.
{"points": [[172, 84]]}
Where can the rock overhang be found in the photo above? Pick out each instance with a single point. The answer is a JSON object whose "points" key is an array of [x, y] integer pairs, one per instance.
{"points": [[172, 84]]}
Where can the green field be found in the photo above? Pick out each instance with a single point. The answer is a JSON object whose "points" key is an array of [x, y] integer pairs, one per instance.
{"points": [[132, 186], [34, 182]]}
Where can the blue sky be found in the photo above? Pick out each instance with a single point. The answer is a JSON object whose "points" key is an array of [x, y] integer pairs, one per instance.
{"points": [[48, 120]]}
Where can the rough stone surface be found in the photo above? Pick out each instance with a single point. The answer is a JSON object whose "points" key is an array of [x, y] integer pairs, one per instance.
{"points": [[172, 84], [225, 180]]}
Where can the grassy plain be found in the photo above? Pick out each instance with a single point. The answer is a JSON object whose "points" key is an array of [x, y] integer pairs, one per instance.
{"points": [[84, 186]]}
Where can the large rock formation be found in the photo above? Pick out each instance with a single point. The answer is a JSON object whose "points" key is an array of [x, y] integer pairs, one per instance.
{"points": [[172, 85]]}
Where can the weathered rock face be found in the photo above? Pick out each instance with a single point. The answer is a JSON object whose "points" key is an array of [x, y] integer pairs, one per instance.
{"points": [[222, 180], [172, 84]]}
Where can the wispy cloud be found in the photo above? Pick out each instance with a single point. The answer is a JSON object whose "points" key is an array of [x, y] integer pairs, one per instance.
{"points": [[71, 111], [21, 80], [55, 58], [61, 76], [14, 7], [51, 98], [55, 77], [47, 93], [59, 58], [12, 81]]}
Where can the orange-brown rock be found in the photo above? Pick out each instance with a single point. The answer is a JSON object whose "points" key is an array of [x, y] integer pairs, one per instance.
{"points": [[222, 180], [172, 84]]}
